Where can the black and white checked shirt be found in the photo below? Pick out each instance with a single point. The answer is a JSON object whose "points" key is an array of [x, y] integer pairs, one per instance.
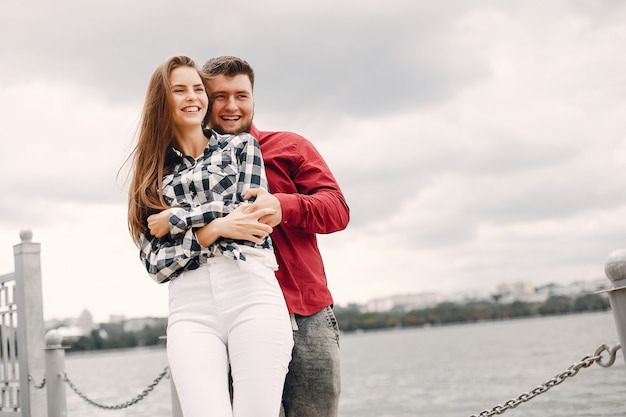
{"points": [[200, 190]]}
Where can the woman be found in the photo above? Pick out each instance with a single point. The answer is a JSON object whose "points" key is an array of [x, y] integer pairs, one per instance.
{"points": [[225, 305]]}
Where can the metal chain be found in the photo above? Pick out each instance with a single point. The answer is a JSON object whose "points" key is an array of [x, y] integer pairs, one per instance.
{"points": [[127, 404], [40, 386], [585, 362]]}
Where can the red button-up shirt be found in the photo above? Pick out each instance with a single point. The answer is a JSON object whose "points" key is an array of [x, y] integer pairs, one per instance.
{"points": [[311, 202]]}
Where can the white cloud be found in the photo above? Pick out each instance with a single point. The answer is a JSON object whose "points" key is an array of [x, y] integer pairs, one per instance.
{"points": [[475, 142], [61, 143]]}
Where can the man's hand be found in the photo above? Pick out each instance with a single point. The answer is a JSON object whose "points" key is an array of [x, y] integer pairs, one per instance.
{"points": [[264, 200], [159, 224]]}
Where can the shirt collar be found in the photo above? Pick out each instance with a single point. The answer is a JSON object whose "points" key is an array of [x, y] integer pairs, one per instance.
{"points": [[211, 145]]}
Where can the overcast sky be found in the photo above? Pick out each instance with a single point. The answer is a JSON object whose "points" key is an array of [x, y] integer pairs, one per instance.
{"points": [[477, 142]]}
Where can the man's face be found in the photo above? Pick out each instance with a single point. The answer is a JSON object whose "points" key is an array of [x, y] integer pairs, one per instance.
{"points": [[232, 104]]}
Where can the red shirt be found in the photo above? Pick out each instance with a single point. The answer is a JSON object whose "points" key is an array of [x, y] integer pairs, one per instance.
{"points": [[311, 202]]}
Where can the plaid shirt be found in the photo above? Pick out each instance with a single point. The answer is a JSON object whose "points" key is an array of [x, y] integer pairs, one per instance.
{"points": [[199, 191]]}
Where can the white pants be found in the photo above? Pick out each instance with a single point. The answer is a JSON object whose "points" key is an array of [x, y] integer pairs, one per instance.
{"points": [[228, 312]]}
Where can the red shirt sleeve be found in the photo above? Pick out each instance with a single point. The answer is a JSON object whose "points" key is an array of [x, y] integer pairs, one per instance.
{"points": [[319, 206]]}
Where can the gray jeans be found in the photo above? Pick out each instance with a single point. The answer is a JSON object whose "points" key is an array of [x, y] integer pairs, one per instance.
{"points": [[313, 382]]}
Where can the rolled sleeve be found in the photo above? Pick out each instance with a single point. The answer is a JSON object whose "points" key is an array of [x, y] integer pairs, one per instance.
{"points": [[165, 259], [184, 218]]}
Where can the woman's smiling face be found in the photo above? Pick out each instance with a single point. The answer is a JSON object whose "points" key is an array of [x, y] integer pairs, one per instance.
{"points": [[189, 98]]}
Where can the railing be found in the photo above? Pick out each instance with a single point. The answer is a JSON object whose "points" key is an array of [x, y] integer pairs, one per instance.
{"points": [[58, 379], [615, 270], [604, 356], [22, 329], [573, 370], [24, 376], [9, 373], [41, 360]]}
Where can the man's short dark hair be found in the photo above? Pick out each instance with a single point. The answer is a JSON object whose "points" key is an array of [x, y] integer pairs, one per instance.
{"points": [[228, 66]]}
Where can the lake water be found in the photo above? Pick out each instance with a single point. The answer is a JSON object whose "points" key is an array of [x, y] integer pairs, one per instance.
{"points": [[457, 370]]}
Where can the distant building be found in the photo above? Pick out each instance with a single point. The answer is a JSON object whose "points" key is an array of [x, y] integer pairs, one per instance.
{"points": [[404, 301], [504, 293], [379, 304], [574, 288], [73, 327], [71, 332], [116, 318], [85, 322], [518, 291], [518, 288], [135, 325]]}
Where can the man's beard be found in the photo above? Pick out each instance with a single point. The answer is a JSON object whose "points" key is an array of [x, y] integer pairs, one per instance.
{"points": [[244, 129]]}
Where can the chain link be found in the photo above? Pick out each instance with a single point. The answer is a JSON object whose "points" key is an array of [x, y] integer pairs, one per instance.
{"points": [[127, 404], [585, 362]]}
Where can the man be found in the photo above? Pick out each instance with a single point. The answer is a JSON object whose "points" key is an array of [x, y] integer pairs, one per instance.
{"points": [[307, 200]]}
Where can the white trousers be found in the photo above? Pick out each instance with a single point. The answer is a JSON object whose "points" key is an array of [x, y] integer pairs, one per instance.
{"points": [[228, 312]]}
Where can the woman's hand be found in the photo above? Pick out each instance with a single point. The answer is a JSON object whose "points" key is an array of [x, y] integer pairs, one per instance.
{"points": [[159, 224], [238, 225]]}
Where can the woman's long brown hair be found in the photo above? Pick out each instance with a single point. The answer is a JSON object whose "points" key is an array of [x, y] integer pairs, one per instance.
{"points": [[153, 155]]}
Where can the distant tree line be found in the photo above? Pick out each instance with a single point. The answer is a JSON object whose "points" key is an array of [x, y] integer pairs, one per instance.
{"points": [[352, 318], [113, 336]]}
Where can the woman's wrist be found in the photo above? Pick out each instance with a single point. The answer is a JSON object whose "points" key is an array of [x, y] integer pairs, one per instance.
{"points": [[209, 233]]}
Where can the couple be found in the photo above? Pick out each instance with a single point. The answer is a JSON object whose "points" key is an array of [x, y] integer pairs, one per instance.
{"points": [[207, 190]]}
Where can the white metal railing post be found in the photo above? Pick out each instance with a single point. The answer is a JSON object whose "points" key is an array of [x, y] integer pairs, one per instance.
{"points": [[55, 370], [615, 270], [30, 326]]}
